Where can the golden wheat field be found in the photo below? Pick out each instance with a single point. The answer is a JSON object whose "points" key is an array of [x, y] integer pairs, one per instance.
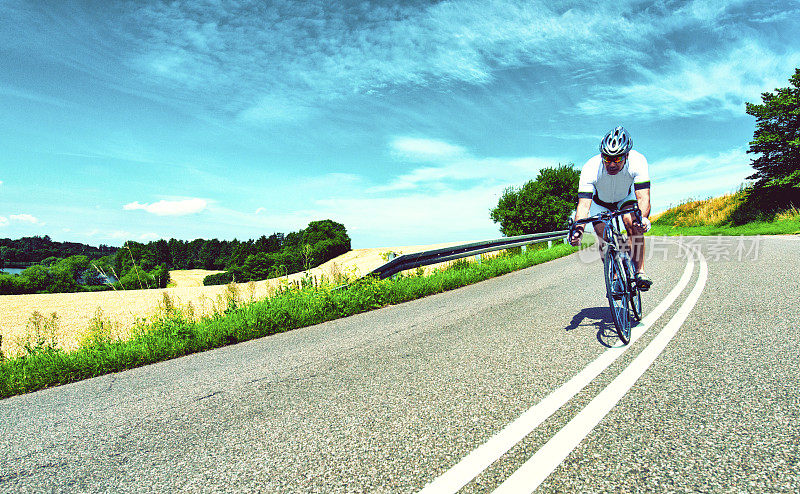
{"points": [[74, 312]]}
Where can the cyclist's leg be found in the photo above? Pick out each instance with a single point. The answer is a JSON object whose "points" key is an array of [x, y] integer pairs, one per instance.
{"points": [[635, 238], [599, 227]]}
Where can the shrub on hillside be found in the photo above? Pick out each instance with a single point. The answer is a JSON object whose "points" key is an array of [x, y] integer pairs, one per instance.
{"points": [[13, 285], [38, 278], [218, 279], [762, 202]]}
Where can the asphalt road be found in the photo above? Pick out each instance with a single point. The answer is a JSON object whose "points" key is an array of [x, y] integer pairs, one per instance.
{"points": [[390, 400]]}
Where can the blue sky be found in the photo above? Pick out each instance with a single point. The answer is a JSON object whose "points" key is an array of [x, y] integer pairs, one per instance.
{"points": [[405, 122]]}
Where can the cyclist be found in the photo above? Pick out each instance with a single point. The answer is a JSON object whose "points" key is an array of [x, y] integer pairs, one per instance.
{"points": [[616, 178]]}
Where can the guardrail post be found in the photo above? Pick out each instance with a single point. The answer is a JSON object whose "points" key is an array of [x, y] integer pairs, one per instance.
{"points": [[524, 249], [389, 257], [549, 244], [479, 258], [566, 241]]}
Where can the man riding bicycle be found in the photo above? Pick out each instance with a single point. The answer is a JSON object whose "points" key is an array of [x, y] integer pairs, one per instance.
{"points": [[616, 178]]}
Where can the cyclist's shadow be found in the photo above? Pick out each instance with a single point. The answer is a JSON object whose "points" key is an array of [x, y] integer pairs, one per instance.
{"points": [[600, 318]]}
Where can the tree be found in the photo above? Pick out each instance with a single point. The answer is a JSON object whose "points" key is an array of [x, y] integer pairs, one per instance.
{"points": [[257, 266], [162, 252], [777, 135], [776, 142], [541, 205], [66, 274]]}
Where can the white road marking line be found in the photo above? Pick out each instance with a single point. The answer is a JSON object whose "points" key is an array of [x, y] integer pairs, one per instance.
{"points": [[534, 471], [479, 459]]}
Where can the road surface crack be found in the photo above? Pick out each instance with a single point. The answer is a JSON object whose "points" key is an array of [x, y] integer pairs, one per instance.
{"points": [[209, 395]]}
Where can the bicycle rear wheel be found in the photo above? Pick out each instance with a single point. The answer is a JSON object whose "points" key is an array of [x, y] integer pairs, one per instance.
{"points": [[617, 291], [634, 295]]}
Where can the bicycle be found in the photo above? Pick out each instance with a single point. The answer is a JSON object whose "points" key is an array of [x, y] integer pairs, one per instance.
{"points": [[622, 291]]}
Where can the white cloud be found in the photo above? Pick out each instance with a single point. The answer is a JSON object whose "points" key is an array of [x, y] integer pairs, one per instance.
{"points": [[425, 149], [145, 237], [676, 179], [121, 234], [3, 221], [260, 210], [170, 208], [24, 218]]}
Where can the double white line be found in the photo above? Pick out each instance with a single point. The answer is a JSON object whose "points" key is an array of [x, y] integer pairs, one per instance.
{"points": [[534, 471]]}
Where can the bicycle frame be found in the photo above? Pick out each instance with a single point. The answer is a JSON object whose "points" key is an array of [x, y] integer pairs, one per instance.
{"points": [[612, 233]]}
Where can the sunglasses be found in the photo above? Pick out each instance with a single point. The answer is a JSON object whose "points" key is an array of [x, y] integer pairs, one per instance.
{"points": [[618, 159]]}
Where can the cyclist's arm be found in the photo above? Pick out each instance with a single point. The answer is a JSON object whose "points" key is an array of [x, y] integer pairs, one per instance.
{"points": [[582, 210], [643, 198], [641, 182]]}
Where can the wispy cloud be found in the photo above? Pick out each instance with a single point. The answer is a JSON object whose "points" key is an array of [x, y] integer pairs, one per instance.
{"points": [[711, 85], [36, 97], [282, 61], [699, 176], [448, 164], [3, 221], [170, 208], [291, 57]]}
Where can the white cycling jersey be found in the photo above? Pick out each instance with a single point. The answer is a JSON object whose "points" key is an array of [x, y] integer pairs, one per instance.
{"points": [[595, 182]]}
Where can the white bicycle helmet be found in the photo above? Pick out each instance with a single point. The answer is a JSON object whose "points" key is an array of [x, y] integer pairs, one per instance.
{"points": [[616, 143]]}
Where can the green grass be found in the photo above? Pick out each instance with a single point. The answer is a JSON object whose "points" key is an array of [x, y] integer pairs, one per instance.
{"points": [[713, 216], [174, 334], [785, 226]]}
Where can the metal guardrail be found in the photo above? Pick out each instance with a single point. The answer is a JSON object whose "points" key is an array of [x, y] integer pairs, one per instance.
{"points": [[411, 261]]}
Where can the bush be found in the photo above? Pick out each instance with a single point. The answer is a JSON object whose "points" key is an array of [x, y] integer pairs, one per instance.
{"points": [[764, 202], [257, 266], [218, 279], [13, 285], [160, 275], [540, 205], [38, 278]]}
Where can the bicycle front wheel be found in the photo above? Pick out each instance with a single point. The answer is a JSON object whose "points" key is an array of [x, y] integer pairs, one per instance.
{"points": [[617, 291], [634, 295]]}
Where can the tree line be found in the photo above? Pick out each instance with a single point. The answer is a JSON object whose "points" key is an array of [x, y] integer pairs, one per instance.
{"points": [[32, 250], [146, 265]]}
